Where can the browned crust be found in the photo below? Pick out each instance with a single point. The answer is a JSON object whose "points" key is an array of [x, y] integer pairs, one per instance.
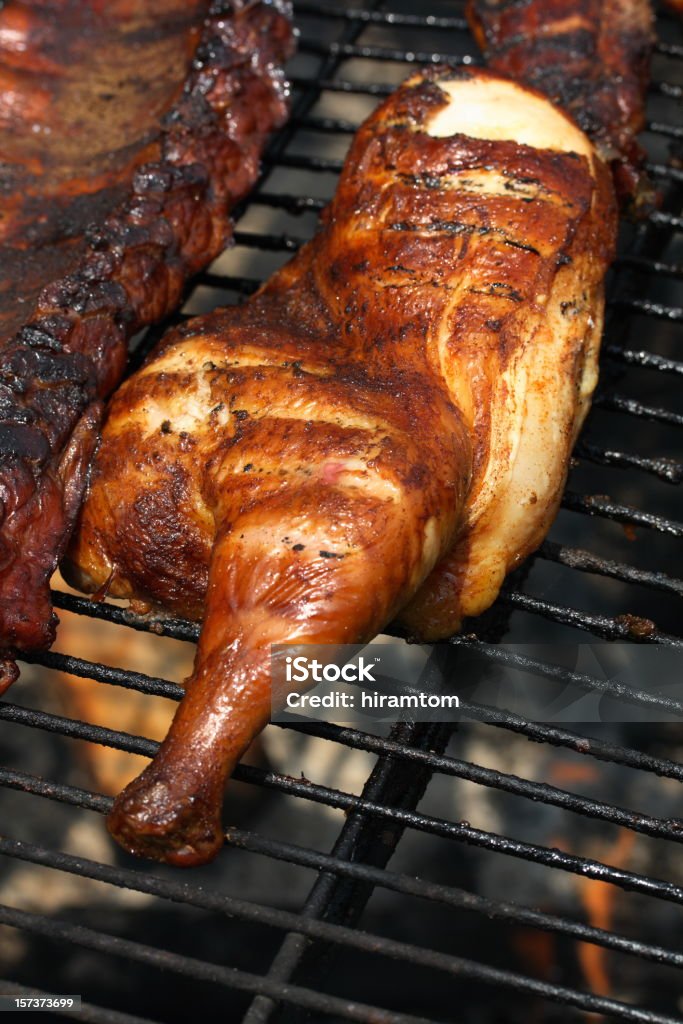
{"points": [[312, 453], [72, 350]]}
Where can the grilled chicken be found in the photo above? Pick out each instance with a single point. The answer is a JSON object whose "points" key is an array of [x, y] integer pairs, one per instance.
{"points": [[128, 132], [592, 58], [383, 429]]}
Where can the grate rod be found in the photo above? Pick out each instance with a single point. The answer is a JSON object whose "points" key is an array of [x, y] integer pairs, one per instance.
{"points": [[602, 505], [459, 832], [647, 308], [382, 53], [631, 406], [379, 17], [444, 764], [231, 977], [178, 629], [309, 858], [584, 561], [671, 828], [649, 266], [59, 662], [623, 627], [196, 896], [410, 885], [378, 89], [666, 469]]}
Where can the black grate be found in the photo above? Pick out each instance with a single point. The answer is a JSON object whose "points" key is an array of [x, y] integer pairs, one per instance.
{"points": [[615, 589]]}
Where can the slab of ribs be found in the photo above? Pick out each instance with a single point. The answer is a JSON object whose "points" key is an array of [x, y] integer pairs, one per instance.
{"points": [[128, 131], [384, 430]]}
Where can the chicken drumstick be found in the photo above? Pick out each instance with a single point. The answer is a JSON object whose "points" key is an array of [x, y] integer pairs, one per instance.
{"points": [[293, 470]]}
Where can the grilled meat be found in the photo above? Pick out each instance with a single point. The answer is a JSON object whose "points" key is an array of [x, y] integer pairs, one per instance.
{"points": [[129, 131], [396, 405], [592, 58]]}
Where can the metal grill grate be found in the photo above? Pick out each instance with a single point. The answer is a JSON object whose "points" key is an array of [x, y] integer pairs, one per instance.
{"points": [[348, 57]]}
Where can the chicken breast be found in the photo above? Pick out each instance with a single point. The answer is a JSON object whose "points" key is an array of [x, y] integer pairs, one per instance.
{"points": [[384, 428]]}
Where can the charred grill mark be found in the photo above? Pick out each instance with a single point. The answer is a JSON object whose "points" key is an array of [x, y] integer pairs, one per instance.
{"points": [[457, 228], [447, 227], [523, 247], [423, 180]]}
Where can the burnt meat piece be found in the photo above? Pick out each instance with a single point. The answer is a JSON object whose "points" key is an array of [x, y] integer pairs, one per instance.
{"points": [[592, 58], [128, 131], [385, 428]]}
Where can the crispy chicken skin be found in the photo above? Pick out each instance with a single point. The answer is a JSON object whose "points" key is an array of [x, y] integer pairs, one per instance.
{"points": [[396, 405], [592, 58], [128, 131]]}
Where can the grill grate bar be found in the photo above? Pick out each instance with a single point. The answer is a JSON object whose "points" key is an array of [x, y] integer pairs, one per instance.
{"points": [[292, 204], [409, 885], [269, 243], [648, 360], [348, 802], [445, 765], [647, 308], [592, 684], [669, 470], [384, 53], [649, 266], [197, 896], [179, 629], [182, 630], [377, 17], [150, 685], [575, 558], [631, 406], [406, 884], [623, 627], [662, 218], [376, 89], [673, 131], [666, 171], [600, 505], [61, 792], [671, 90], [634, 821], [458, 966], [231, 977], [669, 49]]}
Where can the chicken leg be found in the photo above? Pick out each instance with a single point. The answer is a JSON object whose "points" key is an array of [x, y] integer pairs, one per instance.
{"points": [[294, 469]]}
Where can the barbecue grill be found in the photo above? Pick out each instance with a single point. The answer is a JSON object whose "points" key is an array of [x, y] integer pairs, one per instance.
{"points": [[402, 944]]}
